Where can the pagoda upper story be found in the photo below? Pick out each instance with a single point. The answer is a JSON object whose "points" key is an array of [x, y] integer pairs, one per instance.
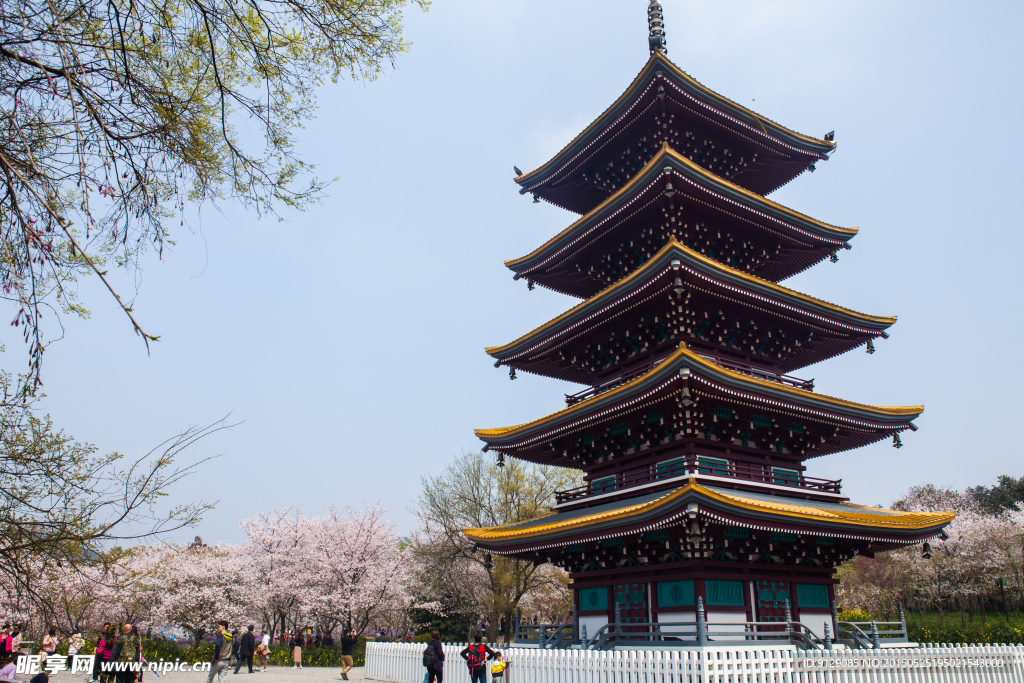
{"points": [[679, 295], [672, 197], [664, 105]]}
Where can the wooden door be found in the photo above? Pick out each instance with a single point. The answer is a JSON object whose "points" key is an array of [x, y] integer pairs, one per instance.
{"points": [[771, 603], [633, 608]]}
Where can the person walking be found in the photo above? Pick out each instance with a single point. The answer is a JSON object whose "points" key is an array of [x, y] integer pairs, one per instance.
{"points": [[328, 641], [134, 646], [5, 640], [125, 652], [348, 650], [75, 645], [297, 651], [104, 651], [476, 655], [246, 649], [433, 659], [48, 646], [101, 650], [221, 653], [262, 656], [16, 640]]}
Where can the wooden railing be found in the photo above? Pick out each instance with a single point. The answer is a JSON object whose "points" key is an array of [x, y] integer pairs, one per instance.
{"points": [[746, 369], [695, 464]]}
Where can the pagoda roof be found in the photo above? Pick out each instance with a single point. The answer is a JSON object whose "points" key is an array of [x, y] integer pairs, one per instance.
{"points": [[676, 506], [793, 152], [861, 424], [537, 351], [805, 240]]}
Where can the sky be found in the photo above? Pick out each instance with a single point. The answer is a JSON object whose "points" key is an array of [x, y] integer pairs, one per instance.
{"points": [[346, 342]]}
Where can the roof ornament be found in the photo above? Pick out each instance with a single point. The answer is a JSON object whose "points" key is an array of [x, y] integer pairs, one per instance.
{"points": [[656, 23]]}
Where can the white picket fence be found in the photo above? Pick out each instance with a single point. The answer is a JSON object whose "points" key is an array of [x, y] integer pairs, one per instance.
{"points": [[402, 663]]}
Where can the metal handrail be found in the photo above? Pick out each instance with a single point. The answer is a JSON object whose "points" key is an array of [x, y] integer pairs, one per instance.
{"points": [[891, 631], [690, 464], [547, 636], [793, 631]]}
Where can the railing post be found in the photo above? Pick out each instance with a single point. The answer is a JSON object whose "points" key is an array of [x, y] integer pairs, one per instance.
{"points": [[835, 620], [789, 621], [828, 637], [583, 633], [876, 643], [903, 620], [541, 637], [702, 625], [575, 622], [519, 621]]}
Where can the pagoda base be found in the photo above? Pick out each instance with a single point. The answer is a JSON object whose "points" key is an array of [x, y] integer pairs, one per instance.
{"points": [[732, 594]]}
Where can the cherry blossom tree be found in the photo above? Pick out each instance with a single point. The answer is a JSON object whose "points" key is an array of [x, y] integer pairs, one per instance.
{"points": [[198, 586]]}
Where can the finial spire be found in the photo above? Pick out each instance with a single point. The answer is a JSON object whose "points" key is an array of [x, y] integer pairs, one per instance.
{"points": [[656, 23]]}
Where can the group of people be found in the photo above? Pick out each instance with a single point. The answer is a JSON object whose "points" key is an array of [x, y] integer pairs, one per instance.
{"points": [[114, 645], [476, 654], [230, 646]]}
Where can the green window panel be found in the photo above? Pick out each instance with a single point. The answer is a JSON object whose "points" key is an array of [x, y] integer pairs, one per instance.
{"points": [[652, 417], [676, 594], [574, 548], [784, 536], [825, 540], [706, 465], [603, 485], [737, 532], [612, 542], [724, 593], [593, 598], [724, 413], [761, 421], [796, 428], [785, 477], [656, 535], [812, 595], [671, 468]]}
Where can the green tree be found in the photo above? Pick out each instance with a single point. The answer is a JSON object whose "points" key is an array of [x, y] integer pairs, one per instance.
{"points": [[63, 506], [1005, 495], [118, 113], [474, 492]]}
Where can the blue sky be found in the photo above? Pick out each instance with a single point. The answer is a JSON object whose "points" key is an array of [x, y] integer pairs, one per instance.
{"points": [[348, 339]]}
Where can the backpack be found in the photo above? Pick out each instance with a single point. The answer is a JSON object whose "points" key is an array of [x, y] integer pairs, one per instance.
{"points": [[475, 658], [429, 656]]}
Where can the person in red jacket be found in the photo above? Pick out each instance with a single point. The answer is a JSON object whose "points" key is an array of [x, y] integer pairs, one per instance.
{"points": [[476, 656], [102, 653]]}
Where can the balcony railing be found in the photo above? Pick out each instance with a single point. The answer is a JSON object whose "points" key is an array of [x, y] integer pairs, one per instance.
{"points": [[695, 464], [761, 373], [746, 369]]}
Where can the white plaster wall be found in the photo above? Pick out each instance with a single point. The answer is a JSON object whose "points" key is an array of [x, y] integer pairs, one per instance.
{"points": [[684, 631], [593, 624], [724, 619]]}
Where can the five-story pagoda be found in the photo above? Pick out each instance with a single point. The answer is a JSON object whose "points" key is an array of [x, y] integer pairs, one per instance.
{"points": [[691, 433]]}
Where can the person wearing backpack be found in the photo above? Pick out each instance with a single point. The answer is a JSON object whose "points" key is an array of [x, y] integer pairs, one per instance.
{"points": [[476, 656], [433, 659]]}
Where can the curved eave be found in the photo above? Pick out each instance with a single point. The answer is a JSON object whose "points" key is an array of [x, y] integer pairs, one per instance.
{"points": [[733, 112], [777, 294], [845, 520], [801, 226], [681, 364]]}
